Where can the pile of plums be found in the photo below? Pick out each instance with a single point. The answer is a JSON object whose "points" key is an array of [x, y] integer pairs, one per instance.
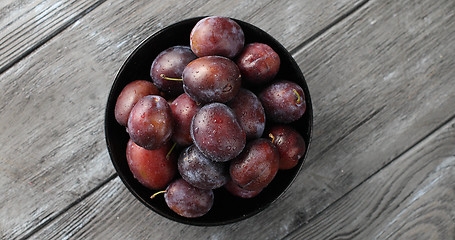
{"points": [[213, 115]]}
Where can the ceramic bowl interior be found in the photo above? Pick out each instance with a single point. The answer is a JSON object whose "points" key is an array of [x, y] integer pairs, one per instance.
{"points": [[226, 208]]}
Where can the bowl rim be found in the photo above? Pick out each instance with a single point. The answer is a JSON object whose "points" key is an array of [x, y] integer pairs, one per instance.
{"points": [[111, 103]]}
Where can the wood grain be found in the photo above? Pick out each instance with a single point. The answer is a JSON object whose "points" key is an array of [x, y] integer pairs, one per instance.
{"points": [[412, 198], [26, 25], [396, 89], [52, 106]]}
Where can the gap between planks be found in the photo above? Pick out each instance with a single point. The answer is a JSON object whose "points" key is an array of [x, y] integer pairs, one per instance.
{"points": [[54, 33]]}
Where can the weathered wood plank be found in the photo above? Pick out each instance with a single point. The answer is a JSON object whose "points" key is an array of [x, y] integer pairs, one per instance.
{"points": [[26, 25], [52, 106], [378, 88], [412, 198]]}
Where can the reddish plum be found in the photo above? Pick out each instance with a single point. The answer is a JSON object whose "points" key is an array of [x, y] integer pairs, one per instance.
{"points": [[183, 110], [258, 63], [129, 96], [150, 124], [249, 112], [211, 79], [216, 132], [152, 168], [217, 36], [290, 145], [256, 166], [283, 101], [235, 190]]}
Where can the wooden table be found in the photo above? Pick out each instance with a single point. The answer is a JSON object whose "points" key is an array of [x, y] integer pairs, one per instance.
{"points": [[382, 77]]}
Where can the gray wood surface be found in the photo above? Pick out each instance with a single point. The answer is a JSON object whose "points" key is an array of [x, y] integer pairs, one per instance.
{"points": [[381, 78], [412, 198]]}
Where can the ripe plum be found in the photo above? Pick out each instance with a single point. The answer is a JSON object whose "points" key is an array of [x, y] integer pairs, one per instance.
{"points": [[216, 132], [290, 145], [258, 63], [200, 171], [249, 112], [211, 79], [170, 63], [283, 101], [129, 96], [183, 109], [150, 124], [152, 168], [187, 200], [216, 35], [235, 190], [256, 166]]}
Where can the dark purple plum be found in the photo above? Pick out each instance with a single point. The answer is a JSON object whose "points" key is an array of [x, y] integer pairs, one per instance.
{"points": [[187, 200], [216, 132], [249, 112], [129, 96], [283, 101], [258, 63], [170, 63], [150, 124], [256, 166], [152, 168], [235, 190], [183, 110], [217, 36], [290, 145], [211, 79], [200, 171]]}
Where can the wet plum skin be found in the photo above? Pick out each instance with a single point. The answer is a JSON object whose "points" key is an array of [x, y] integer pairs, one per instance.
{"points": [[201, 172], [183, 110], [258, 63], [290, 145], [171, 63], [129, 96], [283, 101], [219, 36], [152, 168], [249, 112], [212, 79], [150, 124], [256, 166], [187, 200], [216, 132]]}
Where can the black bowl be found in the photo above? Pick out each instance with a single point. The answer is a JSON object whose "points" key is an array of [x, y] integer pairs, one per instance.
{"points": [[226, 208]]}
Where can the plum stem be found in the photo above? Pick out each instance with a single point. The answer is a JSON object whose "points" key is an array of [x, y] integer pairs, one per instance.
{"points": [[299, 98], [171, 79], [272, 137], [154, 195], [170, 150]]}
